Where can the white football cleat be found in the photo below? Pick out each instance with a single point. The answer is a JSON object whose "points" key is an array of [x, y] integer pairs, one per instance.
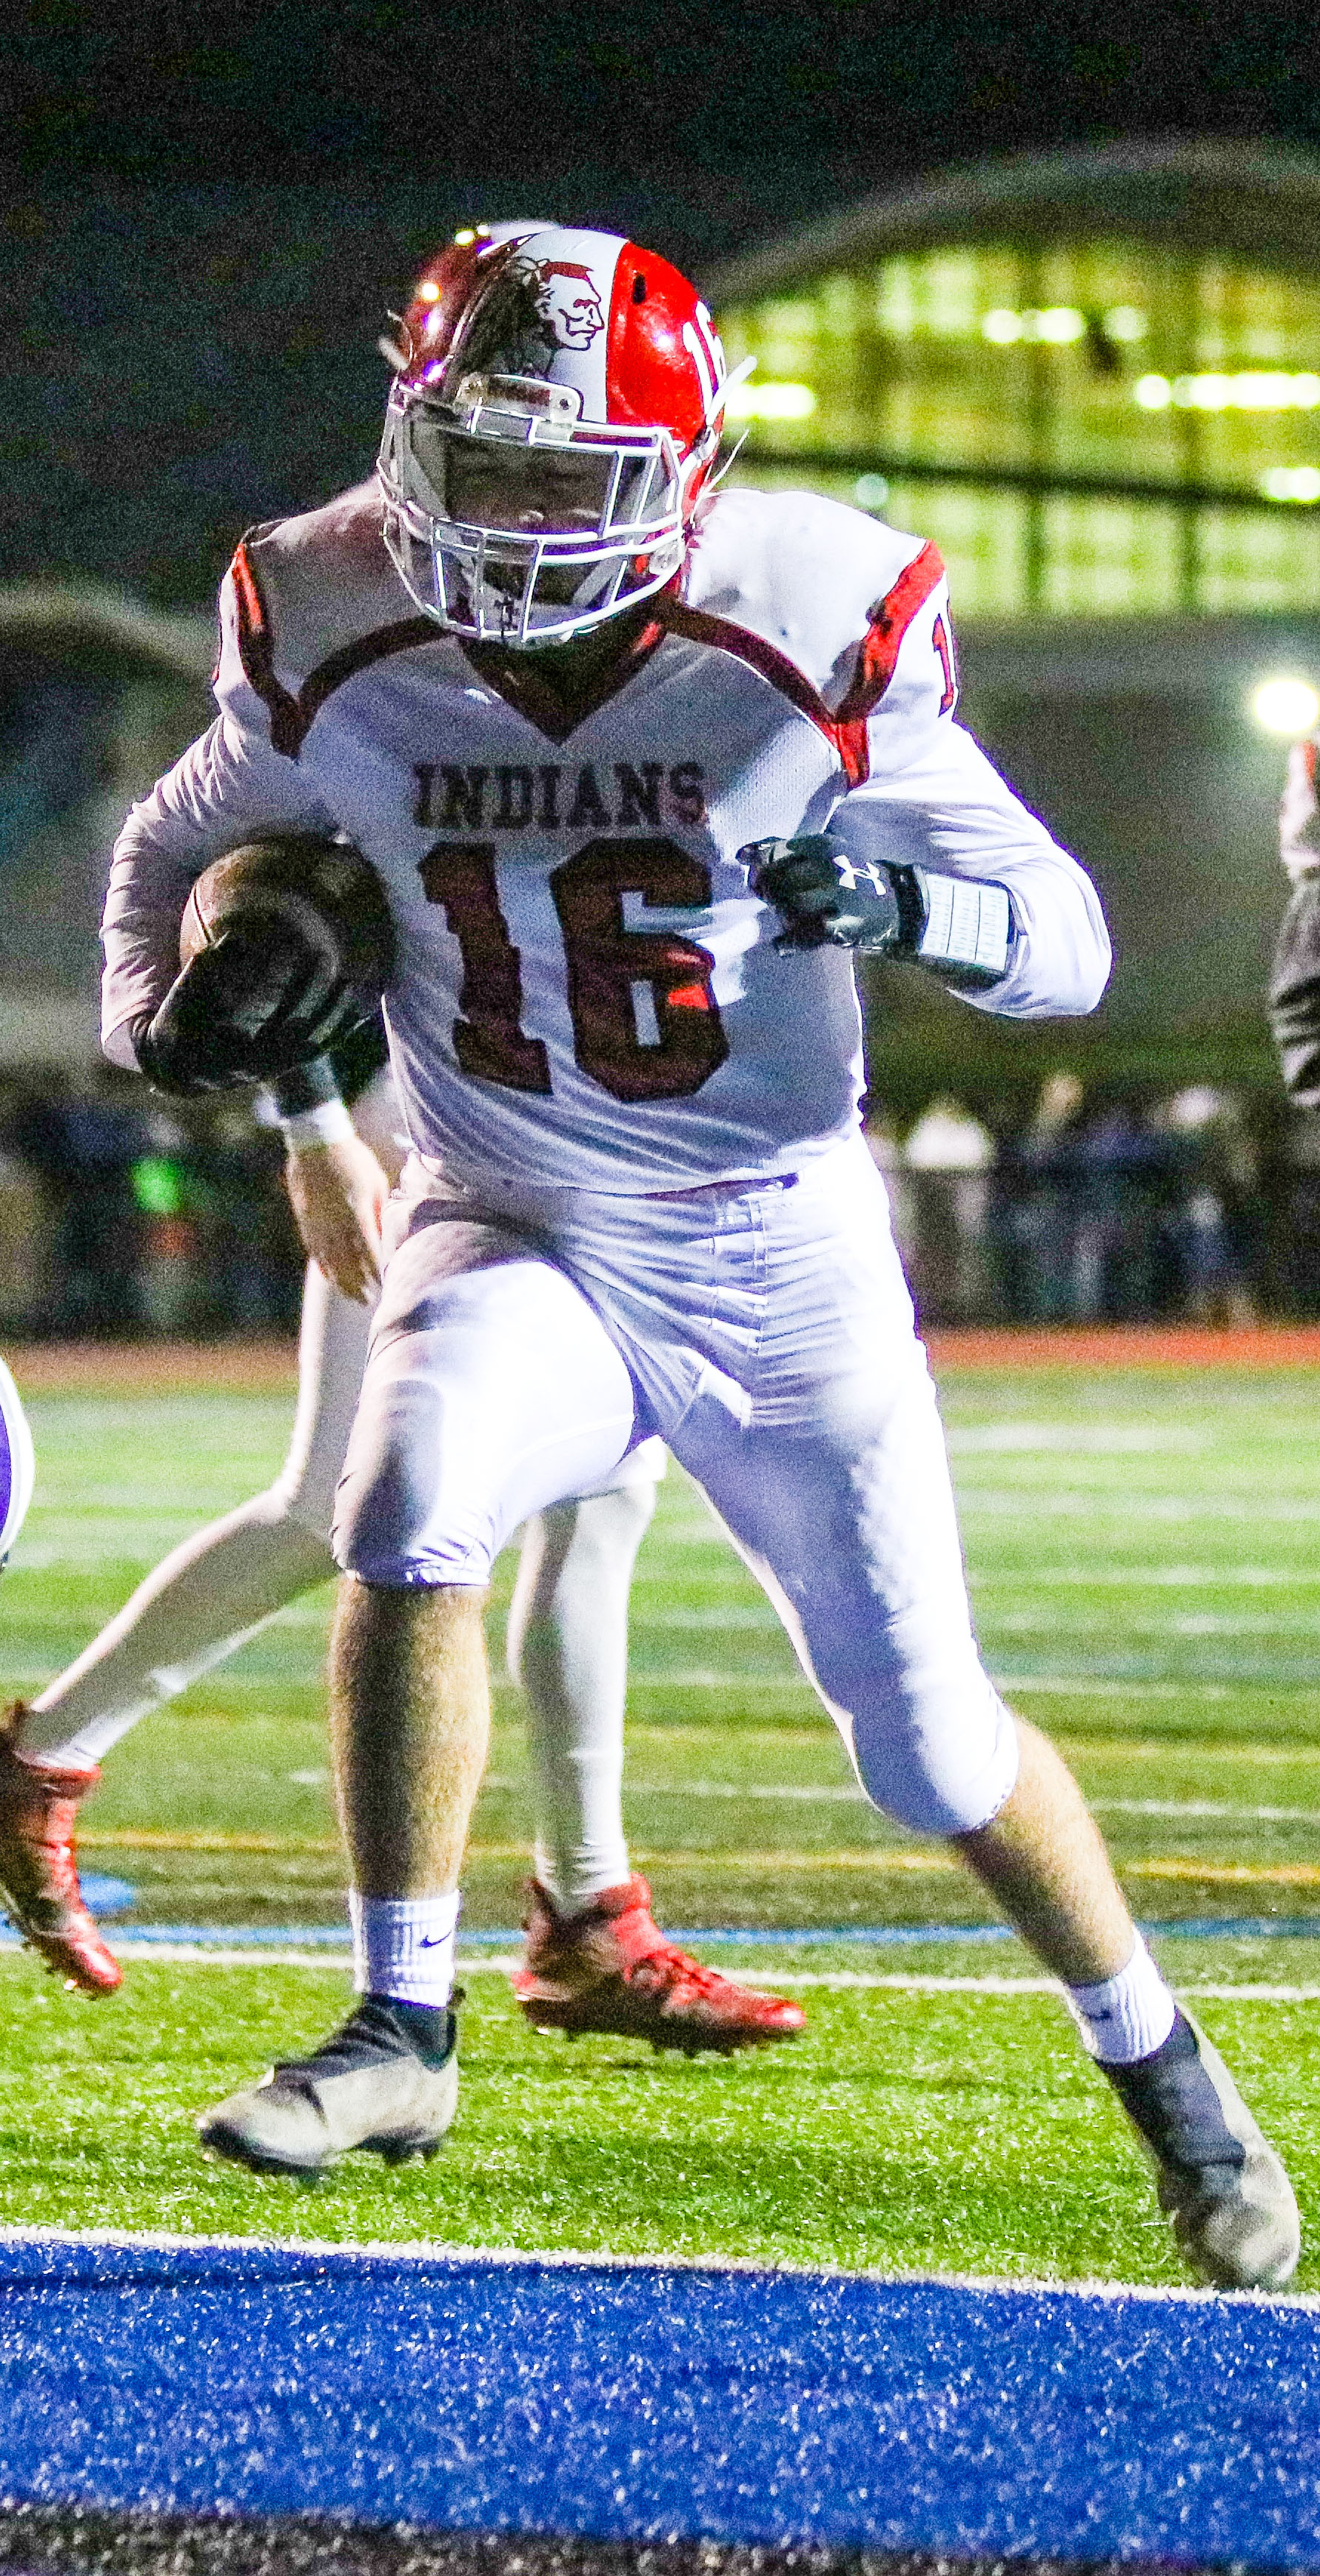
{"points": [[1219, 2179], [368, 2086]]}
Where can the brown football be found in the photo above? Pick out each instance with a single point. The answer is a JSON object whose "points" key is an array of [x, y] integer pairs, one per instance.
{"points": [[324, 892]]}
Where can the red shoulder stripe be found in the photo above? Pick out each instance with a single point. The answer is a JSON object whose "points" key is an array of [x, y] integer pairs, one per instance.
{"points": [[256, 653], [700, 627], [890, 620], [291, 717]]}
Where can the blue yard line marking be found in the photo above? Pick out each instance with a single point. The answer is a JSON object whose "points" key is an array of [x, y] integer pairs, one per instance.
{"points": [[571, 2398], [875, 1936]]}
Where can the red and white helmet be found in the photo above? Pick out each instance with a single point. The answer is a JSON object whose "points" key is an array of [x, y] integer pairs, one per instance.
{"points": [[557, 406]]}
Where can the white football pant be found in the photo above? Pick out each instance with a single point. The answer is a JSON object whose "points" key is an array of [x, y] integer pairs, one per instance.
{"points": [[524, 1343]]}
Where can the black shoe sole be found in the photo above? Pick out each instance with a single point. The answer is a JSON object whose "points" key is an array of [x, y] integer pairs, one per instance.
{"points": [[236, 2150]]}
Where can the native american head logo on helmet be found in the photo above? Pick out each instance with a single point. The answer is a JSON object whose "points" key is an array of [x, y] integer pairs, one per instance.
{"points": [[568, 306], [556, 411], [531, 310]]}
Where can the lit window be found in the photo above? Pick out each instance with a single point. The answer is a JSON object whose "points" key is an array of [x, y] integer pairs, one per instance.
{"points": [[1058, 325], [770, 402], [1291, 483], [1255, 389], [1288, 707]]}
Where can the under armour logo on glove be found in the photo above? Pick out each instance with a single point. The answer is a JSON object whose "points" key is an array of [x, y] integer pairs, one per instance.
{"points": [[827, 898], [960, 927]]}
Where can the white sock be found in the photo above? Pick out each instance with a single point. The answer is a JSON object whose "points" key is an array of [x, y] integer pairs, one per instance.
{"points": [[404, 1946], [568, 1647], [1129, 2015]]}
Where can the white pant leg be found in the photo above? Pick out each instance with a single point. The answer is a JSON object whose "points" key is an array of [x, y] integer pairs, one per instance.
{"points": [[211, 1594], [833, 1482], [492, 1389]]}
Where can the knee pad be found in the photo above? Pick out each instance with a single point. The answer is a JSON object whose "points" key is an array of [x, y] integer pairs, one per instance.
{"points": [[931, 1741]]}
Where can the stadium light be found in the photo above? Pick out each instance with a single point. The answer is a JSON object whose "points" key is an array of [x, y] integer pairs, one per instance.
{"points": [[1286, 706], [770, 402]]}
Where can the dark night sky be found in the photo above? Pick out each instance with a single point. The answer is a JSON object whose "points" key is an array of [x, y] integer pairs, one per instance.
{"points": [[741, 114], [204, 210]]}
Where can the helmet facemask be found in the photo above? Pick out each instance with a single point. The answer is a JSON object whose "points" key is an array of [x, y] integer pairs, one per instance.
{"points": [[513, 520]]}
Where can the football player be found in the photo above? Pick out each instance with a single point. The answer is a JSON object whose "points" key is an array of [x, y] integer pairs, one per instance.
{"points": [[17, 1465], [639, 763], [1295, 983], [595, 1959]]}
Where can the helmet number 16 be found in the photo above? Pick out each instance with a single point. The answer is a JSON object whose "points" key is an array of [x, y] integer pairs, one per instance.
{"points": [[646, 1025]]}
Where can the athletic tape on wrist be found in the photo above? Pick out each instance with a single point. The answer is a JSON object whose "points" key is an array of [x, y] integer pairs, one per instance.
{"points": [[328, 1123], [969, 925]]}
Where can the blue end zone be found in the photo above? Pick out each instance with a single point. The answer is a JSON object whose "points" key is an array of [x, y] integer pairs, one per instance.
{"points": [[641, 2402]]}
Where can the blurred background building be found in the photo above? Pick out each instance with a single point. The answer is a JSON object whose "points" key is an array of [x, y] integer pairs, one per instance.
{"points": [[1092, 377]]}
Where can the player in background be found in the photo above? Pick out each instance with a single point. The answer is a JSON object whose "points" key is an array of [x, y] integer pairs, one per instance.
{"points": [[640, 770], [595, 1958], [1295, 982], [17, 1465]]}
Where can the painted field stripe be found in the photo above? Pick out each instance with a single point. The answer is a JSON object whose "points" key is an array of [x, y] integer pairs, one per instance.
{"points": [[904, 1864], [183, 1954], [1294, 1873], [844, 1794], [1203, 1807], [278, 1940]]}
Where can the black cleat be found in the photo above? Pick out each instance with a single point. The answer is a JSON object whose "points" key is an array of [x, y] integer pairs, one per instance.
{"points": [[1220, 2181]]}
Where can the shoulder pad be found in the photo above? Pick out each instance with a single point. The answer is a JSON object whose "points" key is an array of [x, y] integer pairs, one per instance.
{"points": [[808, 575], [315, 599]]}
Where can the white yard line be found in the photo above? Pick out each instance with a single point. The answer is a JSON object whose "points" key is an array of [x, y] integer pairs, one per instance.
{"points": [[837, 1980], [842, 1793]]}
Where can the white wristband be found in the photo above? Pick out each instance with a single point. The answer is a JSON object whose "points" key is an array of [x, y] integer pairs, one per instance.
{"points": [[310, 1129]]}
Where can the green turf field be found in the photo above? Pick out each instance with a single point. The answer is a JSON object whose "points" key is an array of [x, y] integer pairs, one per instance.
{"points": [[1143, 1553]]}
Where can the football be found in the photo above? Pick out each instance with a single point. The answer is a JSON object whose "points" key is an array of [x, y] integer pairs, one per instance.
{"points": [[322, 895]]}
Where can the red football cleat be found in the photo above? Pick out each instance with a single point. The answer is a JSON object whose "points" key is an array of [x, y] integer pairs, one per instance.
{"points": [[610, 1968], [38, 1871]]}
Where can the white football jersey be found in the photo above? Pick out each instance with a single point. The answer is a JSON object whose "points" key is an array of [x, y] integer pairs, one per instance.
{"points": [[1299, 812], [586, 990]]}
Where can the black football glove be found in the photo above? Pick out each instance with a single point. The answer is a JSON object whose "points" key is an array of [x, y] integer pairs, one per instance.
{"points": [[244, 1009], [1295, 994], [960, 927]]}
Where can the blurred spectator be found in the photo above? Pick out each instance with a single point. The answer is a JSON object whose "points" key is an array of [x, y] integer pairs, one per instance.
{"points": [[1213, 1230], [122, 1214], [80, 1145], [949, 1158], [1124, 1178], [1035, 1212]]}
